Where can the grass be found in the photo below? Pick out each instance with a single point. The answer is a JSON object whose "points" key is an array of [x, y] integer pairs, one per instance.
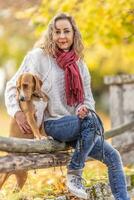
{"points": [[46, 183]]}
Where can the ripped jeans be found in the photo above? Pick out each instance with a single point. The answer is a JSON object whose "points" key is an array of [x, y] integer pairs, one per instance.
{"points": [[82, 135]]}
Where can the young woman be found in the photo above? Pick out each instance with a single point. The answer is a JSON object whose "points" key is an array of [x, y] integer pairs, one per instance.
{"points": [[57, 60]]}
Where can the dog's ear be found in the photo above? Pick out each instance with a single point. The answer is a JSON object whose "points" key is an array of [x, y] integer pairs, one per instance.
{"points": [[38, 84], [18, 85], [37, 91]]}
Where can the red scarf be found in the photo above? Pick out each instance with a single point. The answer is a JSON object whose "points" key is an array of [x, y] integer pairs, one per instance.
{"points": [[73, 82]]}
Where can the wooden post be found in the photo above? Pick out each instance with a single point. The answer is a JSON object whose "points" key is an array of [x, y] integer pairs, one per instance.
{"points": [[121, 89]]}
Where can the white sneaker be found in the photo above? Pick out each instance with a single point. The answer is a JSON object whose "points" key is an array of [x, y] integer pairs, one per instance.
{"points": [[75, 186]]}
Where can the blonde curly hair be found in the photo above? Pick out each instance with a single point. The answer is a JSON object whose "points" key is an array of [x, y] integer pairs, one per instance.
{"points": [[46, 40]]}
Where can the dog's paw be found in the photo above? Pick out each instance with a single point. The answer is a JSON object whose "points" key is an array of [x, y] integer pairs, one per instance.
{"points": [[50, 138], [43, 137], [37, 138]]}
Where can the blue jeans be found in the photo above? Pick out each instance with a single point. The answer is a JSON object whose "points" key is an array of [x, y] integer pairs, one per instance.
{"points": [[82, 135]]}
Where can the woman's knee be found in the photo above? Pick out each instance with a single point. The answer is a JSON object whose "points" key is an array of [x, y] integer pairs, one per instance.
{"points": [[92, 123], [113, 158], [88, 123]]}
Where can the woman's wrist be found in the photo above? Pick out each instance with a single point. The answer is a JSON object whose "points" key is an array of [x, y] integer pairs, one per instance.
{"points": [[17, 113]]}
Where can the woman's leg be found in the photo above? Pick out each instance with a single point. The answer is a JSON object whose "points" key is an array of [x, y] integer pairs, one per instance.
{"points": [[88, 135], [65, 129], [115, 168], [83, 131], [72, 128]]}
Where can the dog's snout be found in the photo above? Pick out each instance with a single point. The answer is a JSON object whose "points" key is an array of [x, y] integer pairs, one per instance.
{"points": [[22, 98]]}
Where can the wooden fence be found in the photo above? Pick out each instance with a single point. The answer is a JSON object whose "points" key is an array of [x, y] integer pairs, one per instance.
{"points": [[36, 154]]}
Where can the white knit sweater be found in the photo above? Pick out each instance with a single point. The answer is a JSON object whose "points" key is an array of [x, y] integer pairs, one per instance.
{"points": [[52, 76]]}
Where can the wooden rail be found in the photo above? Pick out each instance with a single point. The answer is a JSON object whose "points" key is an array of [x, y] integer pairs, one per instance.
{"points": [[32, 154]]}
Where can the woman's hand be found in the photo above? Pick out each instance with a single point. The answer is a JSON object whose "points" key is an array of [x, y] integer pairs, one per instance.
{"points": [[22, 122], [82, 112]]}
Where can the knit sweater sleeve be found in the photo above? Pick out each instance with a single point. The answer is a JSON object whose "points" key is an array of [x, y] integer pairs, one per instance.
{"points": [[88, 96], [29, 64]]}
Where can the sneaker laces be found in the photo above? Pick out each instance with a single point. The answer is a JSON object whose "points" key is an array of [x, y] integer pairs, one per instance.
{"points": [[78, 181]]}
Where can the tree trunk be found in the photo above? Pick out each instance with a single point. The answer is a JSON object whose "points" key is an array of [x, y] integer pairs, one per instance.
{"points": [[17, 145], [37, 152], [13, 162]]}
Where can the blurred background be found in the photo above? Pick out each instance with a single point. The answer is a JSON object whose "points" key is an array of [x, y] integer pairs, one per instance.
{"points": [[107, 28]]}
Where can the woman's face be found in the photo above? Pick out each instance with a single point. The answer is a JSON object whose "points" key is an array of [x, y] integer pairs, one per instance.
{"points": [[63, 34]]}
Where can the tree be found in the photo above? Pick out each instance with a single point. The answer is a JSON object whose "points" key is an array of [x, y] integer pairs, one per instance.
{"points": [[107, 31], [106, 27]]}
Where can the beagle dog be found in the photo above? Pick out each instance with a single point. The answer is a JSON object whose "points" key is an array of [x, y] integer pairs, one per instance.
{"points": [[33, 103]]}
